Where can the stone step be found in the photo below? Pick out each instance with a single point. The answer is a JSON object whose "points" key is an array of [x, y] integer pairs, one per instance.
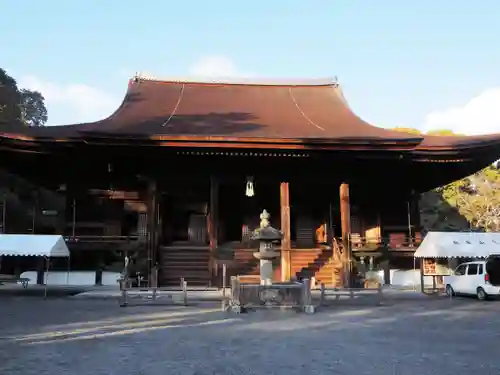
{"points": [[184, 265]]}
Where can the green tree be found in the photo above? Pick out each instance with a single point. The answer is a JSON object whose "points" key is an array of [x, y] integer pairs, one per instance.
{"points": [[407, 130], [436, 213], [10, 111], [470, 203], [33, 111], [443, 132], [477, 199], [20, 107]]}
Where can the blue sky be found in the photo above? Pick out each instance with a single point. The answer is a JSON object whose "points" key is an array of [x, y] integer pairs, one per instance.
{"points": [[427, 64]]}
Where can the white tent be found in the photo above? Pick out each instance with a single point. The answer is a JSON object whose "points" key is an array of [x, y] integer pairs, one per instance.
{"points": [[38, 245], [458, 245]]}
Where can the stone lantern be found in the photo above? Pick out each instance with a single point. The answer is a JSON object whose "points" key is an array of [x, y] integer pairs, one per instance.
{"points": [[267, 236]]}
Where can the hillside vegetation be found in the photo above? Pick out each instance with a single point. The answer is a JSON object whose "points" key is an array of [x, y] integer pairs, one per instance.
{"points": [[472, 203]]}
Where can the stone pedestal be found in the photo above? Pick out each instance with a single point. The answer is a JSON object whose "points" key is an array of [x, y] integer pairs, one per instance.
{"points": [[266, 257], [268, 294]]}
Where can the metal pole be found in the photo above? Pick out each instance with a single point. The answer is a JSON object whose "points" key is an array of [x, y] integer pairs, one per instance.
{"points": [[414, 270], [35, 206], [409, 223], [33, 219], [224, 270], [184, 291], [68, 270], [411, 241], [46, 275], [73, 224], [4, 212]]}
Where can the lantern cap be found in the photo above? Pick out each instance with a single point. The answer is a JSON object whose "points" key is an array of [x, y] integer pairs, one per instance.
{"points": [[266, 232]]}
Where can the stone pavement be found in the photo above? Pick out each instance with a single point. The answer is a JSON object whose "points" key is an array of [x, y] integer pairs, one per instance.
{"points": [[95, 336]]}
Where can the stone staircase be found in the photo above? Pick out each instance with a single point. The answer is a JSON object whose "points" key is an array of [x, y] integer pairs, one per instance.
{"points": [[321, 264], [317, 263], [247, 267], [188, 261]]}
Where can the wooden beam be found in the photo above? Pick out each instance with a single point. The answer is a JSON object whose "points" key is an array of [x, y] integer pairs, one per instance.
{"points": [[345, 223], [115, 194], [286, 242], [213, 224]]}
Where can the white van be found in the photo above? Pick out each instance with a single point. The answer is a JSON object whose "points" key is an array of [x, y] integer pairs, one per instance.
{"points": [[480, 278]]}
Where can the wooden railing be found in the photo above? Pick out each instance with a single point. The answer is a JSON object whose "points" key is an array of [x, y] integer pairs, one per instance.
{"points": [[93, 239], [395, 241]]}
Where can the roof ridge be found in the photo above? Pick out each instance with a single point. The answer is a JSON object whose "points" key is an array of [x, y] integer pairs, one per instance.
{"points": [[240, 80]]}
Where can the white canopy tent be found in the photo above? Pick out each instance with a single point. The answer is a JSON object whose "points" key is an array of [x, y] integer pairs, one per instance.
{"points": [[452, 246], [37, 245], [458, 245]]}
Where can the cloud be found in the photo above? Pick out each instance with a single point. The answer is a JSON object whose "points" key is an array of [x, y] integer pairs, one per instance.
{"points": [[72, 103], [481, 115], [216, 66], [78, 102]]}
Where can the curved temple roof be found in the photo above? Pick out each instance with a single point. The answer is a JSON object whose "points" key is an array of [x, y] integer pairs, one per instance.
{"points": [[304, 112], [301, 111]]}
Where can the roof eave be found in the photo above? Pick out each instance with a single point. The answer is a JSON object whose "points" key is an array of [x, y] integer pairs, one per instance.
{"points": [[215, 141]]}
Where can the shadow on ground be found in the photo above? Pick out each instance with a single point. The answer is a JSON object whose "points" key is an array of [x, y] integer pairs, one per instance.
{"points": [[421, 336], [7, 291]]}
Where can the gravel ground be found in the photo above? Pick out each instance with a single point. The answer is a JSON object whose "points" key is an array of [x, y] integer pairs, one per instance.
{"points": [[417, 337]]}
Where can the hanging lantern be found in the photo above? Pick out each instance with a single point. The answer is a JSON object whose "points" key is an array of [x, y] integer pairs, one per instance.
{"points": [[249, 191]]}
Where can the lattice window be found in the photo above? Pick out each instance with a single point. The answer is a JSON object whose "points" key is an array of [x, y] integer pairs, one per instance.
{"points": [[142, 225]]}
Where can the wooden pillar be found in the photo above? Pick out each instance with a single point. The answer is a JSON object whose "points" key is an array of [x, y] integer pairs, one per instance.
{"points": [[98, 272], [345, 220], [286, 242], [422, 279], [40, 270], [34, 209], [385, 263], [213, 224], [152, 227], [415, 214], [68, 224], [3, 217]]}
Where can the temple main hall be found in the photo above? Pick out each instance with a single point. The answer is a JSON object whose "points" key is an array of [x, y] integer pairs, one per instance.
{"points": [[177, 177]]}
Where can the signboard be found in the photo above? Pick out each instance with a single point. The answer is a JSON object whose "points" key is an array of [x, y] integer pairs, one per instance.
{"points": [[50, 213], [433, 268], [430, 267]]}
